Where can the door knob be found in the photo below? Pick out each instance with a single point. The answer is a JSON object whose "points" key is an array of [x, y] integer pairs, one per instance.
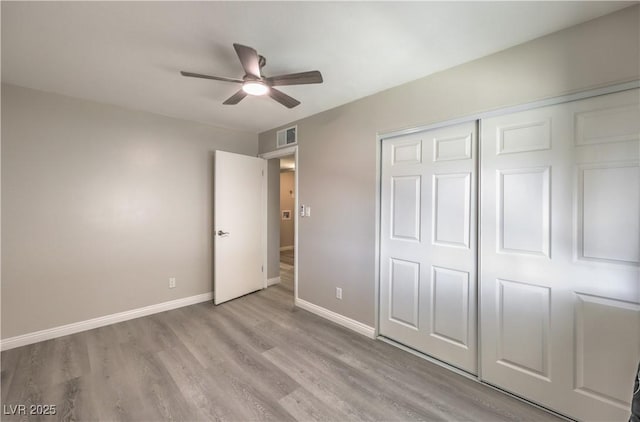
{"points": [[221, 233]]}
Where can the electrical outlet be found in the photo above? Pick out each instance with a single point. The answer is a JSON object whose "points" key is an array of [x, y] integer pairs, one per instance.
{"points": [[172, 282], [339, 293]]}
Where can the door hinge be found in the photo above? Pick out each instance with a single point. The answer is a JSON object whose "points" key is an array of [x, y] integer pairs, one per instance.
{"points": [[262, 268]]}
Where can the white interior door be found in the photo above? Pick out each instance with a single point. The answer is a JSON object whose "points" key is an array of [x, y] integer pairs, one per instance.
{"points": [[428, 243], [239, 225], [560, 250]]}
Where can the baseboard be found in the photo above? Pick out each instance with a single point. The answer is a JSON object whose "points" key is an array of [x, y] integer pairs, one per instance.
{"points": [[272, 281], [76, 327], [349, 323], [286, 248]]}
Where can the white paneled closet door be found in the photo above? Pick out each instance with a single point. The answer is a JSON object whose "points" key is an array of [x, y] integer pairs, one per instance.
{"points": [[560, 250], [428, 243]]}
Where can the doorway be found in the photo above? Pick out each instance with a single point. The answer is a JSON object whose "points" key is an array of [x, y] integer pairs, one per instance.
{"points": [[287, 221], [282, 265]]}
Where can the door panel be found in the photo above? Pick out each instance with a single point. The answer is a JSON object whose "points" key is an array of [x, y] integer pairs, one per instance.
{"points": [[239, 212], [404, 292], [609, 201], [595, 374], [450, 305], [523, 308], [451, 209], [405, 207], [560, 254], [523, 211], [428, 248]]}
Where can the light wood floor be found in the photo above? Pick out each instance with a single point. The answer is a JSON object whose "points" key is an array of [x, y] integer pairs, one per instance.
{"points": [[254, 358], [286, 257]]}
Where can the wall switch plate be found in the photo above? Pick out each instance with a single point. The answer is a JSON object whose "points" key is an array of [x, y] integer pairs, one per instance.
{"points": [[339, 293], [307, 211], [172, 282]]}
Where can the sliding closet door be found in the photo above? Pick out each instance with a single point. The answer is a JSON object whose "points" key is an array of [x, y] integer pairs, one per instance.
{"points": [[560, 250], [428, 243]]}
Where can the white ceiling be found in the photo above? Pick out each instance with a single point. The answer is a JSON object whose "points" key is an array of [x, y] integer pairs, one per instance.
{"points": [[130, 53], [288, 163]]}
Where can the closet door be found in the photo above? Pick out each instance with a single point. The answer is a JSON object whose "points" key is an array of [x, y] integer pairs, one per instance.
{"points": [[560, 250], [428, 243]]}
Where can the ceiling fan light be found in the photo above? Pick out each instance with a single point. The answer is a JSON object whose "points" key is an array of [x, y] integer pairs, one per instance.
{"points": [[255, 88]]}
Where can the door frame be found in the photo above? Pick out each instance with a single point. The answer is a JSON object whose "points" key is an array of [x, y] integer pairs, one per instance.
{"points": [[385, 135], [283, 152]]}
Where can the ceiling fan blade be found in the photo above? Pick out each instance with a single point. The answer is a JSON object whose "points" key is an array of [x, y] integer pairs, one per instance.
{"points": [[302, 78], [235, 98], [249, 59], [215, 78], [283, 98]]}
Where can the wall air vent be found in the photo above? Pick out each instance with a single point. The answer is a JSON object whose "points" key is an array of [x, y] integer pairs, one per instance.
{"points": [[287, 137]]}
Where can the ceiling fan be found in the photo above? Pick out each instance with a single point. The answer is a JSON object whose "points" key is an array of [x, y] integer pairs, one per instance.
{"points": [[254, 83]]}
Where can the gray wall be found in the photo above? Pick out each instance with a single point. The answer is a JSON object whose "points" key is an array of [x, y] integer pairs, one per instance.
{"points": [[287, 202], [273, 218], [100, 206], [337, 148]]}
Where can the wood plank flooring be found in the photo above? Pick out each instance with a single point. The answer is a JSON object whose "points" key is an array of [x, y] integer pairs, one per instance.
{"points": [[254, 358], [286, 257]]}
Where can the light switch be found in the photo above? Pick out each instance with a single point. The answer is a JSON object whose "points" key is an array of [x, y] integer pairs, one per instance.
{"points": [[307, 211]]}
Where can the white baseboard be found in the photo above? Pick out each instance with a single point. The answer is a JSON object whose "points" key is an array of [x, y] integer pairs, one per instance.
{"points": [[286, 248], [349, 323], [272, 281], [76, 327]]}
